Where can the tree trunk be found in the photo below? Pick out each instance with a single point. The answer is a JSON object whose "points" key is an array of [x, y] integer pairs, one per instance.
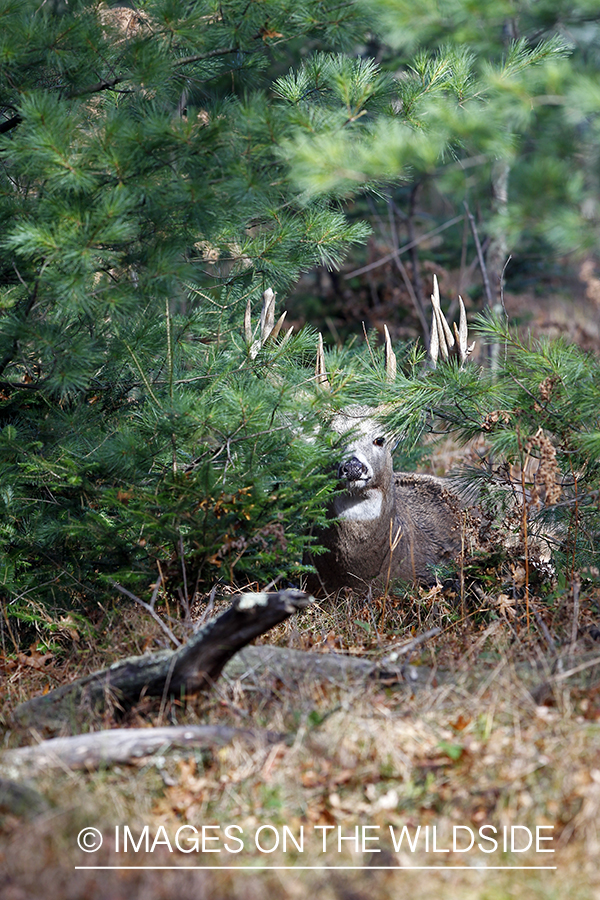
{"points": [[497, 253]]}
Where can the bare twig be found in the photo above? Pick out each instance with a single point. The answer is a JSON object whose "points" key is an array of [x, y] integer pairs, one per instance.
{"points": [[413, 252], [403, 649], [11, 123], [561, 676], [576, 585], [574, 521], [185, 598], [149, 609], [416, 301], [209, 608], [544, 630], [482, 266], [157, 585], [524, 524], [384, 259]]}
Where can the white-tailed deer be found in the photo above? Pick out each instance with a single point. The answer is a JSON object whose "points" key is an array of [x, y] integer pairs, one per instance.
{"points": [[387, 524]]}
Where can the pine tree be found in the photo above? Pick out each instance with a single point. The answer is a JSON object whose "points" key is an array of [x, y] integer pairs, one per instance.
{"points": [[504, 98], [144, 201], [537, 183]]}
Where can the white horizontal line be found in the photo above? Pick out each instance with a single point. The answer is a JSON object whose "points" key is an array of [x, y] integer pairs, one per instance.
{"points": [[297, 868]]}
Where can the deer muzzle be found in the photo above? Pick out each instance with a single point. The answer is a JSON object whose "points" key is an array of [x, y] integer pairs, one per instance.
{"points": [[353, 470]]}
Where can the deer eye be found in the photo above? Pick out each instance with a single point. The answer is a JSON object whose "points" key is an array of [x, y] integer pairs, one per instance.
{"points": [[379, 442]]}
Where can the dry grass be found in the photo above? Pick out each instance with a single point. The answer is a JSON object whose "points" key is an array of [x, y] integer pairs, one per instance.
{"points": [[472, 750]]}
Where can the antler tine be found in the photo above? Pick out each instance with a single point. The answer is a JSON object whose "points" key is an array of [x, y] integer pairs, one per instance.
{"points": [[434, 341], [277, 327], [267, 314], [462, 334], [267, 325], [442, 340], [391, 363], [445, 336], [248, 321], [320, 370], [463, 331], [286, 336]]}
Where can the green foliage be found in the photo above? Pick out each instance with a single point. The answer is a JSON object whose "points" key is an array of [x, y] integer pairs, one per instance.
{"points": [[183, 451], [536, 66], [143, 201], [448, 103]]}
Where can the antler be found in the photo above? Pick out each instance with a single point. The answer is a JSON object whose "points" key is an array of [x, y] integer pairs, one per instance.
{"points": [[391, 363], [269, 329], [442, 339], [320, 371]]}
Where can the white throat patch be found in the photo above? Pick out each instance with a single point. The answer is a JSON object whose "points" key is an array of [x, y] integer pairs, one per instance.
{"points": [[361, 509]]}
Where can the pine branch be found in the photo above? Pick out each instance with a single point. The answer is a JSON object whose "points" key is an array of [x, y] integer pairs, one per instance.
{"points": [[109, 83], [9, 356]]}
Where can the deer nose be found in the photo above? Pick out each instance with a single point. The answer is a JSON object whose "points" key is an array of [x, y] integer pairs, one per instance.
{"points": [[352, 469]]}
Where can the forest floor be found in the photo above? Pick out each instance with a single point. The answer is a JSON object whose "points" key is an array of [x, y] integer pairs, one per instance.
{"points": [[483, 781]]}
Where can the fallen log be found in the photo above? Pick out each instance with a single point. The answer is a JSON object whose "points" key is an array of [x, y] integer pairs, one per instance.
{"points": [[291, 666], [169, 673], [121, 746], [294, 666]]}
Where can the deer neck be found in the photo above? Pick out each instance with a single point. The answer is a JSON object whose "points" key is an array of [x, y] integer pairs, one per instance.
{"points": [[368, 505]]}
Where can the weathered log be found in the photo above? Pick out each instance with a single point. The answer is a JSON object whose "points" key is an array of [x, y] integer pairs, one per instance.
{"points": [[190, 669], [294, 666], [118, 747]]}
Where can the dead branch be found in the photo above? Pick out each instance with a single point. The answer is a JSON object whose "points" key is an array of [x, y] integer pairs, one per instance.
{"points": [[189, 669]]}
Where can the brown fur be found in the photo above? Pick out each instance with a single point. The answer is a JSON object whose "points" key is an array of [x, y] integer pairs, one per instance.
{"points": [[416, 527], [430, 520]]}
